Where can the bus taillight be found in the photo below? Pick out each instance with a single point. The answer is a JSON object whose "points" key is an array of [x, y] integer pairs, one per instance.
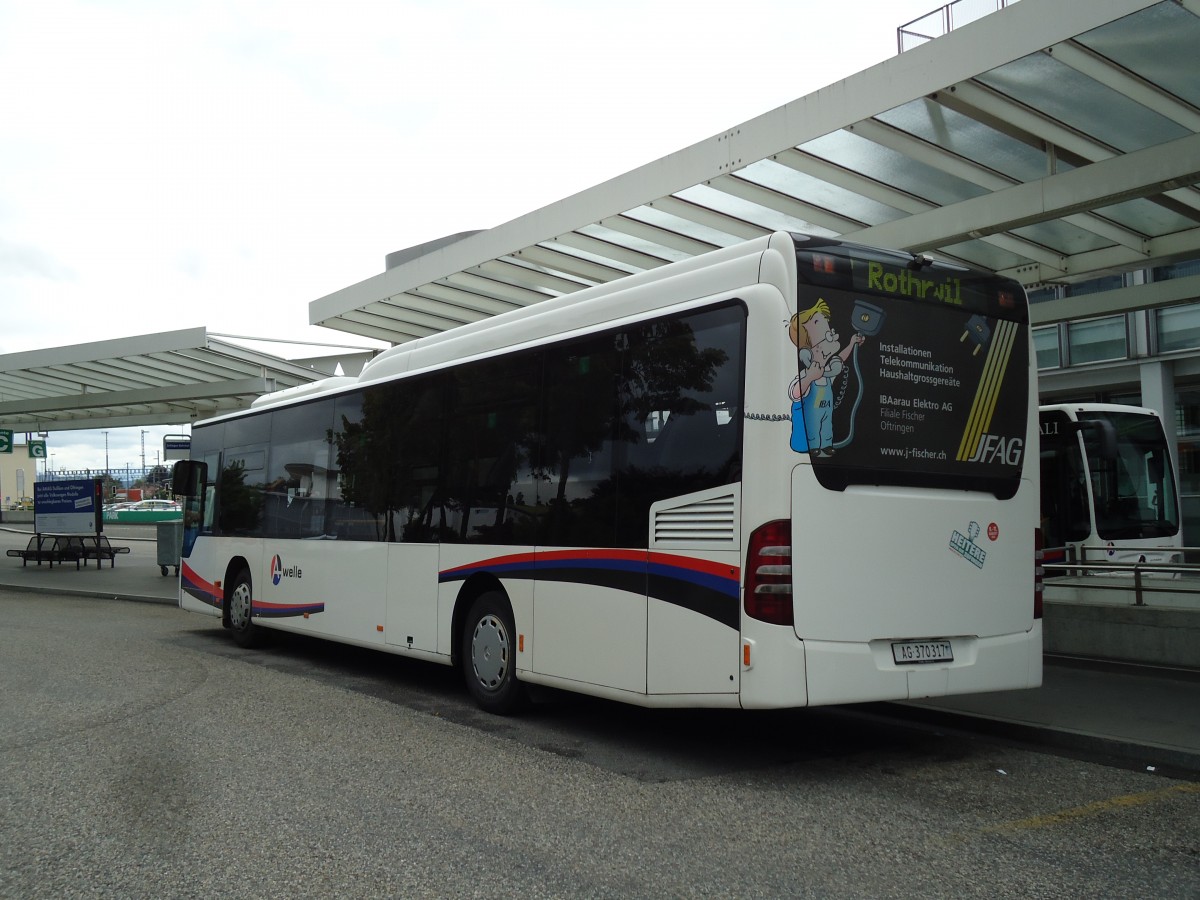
{"points": [[769, 574], [1039, 573]]}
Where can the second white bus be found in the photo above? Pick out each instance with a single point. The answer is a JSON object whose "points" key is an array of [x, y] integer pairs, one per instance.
{"points": [[1108, 487]]}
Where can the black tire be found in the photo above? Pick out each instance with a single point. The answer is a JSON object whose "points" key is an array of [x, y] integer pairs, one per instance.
{"points": [[488, 655], [240, 606]]}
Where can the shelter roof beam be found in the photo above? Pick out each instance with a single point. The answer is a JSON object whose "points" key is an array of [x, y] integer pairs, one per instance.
{"points": [[145, 396], [737, 229], [509, 271], [655, 234], [558, 260], [785, 203], [635, 259]]}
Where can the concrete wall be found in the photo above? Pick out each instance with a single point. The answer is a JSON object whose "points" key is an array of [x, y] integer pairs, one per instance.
{"points": [[1143, 634]]}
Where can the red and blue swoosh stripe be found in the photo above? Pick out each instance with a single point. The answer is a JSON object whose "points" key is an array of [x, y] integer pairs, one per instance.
{"points": [[283, 610], [207, 592], [704, 587], [194, 585]]}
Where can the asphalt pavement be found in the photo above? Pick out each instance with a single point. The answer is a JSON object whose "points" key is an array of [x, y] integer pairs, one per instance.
{"points": [[1128, 715]]}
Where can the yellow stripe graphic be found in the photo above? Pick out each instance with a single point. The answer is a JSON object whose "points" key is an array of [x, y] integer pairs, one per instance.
{"points": [[1005, 338], [989, 389], [1006, 333], [984, 398], [988, 392]]}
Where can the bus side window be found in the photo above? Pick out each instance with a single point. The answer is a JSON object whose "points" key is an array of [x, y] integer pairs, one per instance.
{"points": [[692, 443]]}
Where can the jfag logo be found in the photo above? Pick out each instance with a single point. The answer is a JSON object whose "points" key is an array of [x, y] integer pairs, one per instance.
{"points": [[280, 572], [994, 448]]}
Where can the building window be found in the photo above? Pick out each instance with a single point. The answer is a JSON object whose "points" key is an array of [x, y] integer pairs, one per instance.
{"points": [[1123, 399], [1177, 270], [1095, 285], [1097, 340], [1178, 328], [1187, 414], [1045, 344]]}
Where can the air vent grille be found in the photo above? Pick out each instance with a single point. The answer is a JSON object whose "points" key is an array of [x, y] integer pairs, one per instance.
{"points": [[706, 522]]}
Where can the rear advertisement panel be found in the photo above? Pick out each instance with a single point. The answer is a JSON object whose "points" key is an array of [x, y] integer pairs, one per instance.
{"points": [[909, 376]]}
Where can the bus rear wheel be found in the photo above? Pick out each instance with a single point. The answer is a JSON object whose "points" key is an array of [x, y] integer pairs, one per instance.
{"points": [[488, 655], [241, 608]]}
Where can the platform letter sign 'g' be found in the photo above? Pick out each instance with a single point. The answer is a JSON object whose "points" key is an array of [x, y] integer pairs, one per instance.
{"points": [[6, 441], [37, 449]]}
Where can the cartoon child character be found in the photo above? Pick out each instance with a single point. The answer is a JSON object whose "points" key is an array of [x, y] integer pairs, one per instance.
{"points": [[822, 357]]}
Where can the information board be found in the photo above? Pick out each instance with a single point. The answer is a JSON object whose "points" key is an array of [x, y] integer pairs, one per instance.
{"points": [[66, 507]]}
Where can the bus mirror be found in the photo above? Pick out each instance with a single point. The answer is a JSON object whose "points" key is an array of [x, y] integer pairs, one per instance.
{"points": [[188, 478]]}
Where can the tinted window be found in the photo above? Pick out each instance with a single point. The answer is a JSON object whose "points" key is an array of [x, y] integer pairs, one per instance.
{"points": [[356, 510], [298, 478], [680, 397], [636, 416], [563, 446], [418, 411], [577, 494], [243, 476], [491, 451]]}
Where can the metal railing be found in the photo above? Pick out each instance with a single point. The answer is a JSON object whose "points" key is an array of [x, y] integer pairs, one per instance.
{"points": [[943, 20], [1177, 578]]}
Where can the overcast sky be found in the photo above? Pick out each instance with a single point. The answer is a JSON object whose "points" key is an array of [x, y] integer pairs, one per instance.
{"points": [[175, 164]]}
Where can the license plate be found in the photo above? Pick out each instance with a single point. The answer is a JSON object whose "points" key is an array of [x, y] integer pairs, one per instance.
{"points": [[922, 651]]}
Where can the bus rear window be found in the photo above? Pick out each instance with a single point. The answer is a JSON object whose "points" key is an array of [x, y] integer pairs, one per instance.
{"points": [[909, 375]]}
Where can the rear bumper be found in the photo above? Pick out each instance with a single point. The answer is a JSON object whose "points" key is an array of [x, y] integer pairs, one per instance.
{"points": [[857, 673]]}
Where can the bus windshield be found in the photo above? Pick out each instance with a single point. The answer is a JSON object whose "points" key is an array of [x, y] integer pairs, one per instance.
{"points": [[1130, 470]]}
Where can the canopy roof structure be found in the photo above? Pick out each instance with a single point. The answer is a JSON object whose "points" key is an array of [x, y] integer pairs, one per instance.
{"points": [[1051, 141], [156, 379]]}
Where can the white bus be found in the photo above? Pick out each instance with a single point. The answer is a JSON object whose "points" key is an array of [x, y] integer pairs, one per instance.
{"points": [[1108, 486], [785, 473]]}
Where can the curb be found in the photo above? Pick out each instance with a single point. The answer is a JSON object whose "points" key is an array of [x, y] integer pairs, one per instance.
{"points": [[96, 595], [1168, 762]]}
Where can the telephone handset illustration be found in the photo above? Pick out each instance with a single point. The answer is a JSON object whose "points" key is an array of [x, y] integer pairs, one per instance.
{"points": [[833, 365]]}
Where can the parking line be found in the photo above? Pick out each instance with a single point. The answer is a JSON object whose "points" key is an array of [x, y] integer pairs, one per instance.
{"points": [[1092, 809]]}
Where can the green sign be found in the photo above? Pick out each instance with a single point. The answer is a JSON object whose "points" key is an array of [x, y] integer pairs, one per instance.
{"points": [[37, 449], [6, 441]]}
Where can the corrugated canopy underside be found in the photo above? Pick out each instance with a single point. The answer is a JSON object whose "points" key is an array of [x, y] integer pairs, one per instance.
{"points": [[157, 379]]}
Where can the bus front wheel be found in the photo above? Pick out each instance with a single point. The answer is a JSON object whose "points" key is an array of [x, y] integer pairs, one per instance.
{"points": [[241, 608], [488, 655]]}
